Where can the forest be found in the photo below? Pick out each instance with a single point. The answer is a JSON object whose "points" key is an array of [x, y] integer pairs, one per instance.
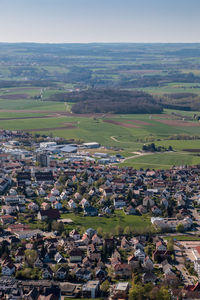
{"points": [[114, 101]]}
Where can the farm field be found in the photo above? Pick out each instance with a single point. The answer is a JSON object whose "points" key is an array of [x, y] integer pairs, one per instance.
{"points": [[136, 223], [126, 132]]}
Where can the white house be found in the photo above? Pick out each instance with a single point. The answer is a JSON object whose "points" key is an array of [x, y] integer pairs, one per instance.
{"points": [[140, 255], [71, 204]]}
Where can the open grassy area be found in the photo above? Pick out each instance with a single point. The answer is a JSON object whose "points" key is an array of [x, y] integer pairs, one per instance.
{"points": [[108, 224], [31, 105], [163, 160], [183, 238]]}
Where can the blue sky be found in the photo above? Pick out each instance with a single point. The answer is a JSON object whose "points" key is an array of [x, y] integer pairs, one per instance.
{"points": [[85, 21]]}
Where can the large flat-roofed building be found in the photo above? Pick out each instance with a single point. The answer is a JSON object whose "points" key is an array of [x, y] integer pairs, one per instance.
{"points": [[47, 144], [91, 289], [91, 145]]}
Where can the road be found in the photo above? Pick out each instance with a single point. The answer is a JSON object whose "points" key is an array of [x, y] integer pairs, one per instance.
{"points": [[187, 279]]}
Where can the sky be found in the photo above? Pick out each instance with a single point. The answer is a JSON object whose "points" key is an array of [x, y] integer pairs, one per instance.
{"points": [[86, 21]]}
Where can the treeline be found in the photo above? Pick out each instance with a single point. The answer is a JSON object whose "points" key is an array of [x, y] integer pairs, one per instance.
{"points": [[181, 101], [26, 83], [152, 148], [114, 101], [158, 80]]}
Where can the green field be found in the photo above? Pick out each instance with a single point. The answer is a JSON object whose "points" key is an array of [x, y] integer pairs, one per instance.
{"points": [[129, 140], [183, 238], [136, 223], [31, 105], [163, 160]]}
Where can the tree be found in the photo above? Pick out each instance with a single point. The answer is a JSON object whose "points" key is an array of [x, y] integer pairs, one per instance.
{"points": [[180, 228], [31, 256], [57, 226], [105, 286], [119, 230], [127, 230], [129, 195], [137, 292], [100, 231], [170, 244]]}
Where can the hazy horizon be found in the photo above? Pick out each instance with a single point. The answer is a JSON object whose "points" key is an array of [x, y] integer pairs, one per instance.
{"points": [[105, 21]]}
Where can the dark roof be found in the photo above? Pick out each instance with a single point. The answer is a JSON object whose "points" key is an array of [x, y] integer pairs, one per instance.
{"points": [[75, 252], [50, 213]]}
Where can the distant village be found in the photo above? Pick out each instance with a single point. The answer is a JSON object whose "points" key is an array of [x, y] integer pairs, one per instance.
{"points": [[47, 184]]}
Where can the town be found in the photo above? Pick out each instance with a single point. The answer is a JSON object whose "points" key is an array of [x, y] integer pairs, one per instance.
{"points": [[76, 225]]}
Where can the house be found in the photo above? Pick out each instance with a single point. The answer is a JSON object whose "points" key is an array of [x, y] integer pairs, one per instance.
{"points": [[161, 246], [122, 270], [8, 209], [149, 277], [57, 205], [120, 290], [33, 206], [140, 255], [75, 255], [90, 232], [90, 211], [61, 273], [155, 210], [119, 203], [141, 209], [8, 268], [38, 263], [133, 262], [147, 201], [47, 273], [70, 290], [45, 206], [83, 274], [72, 204], [7, 219], [85, 239], [96, 240], [59, 258], [100, 274], [130, 210], [92, 253], [74, 235], [19, 254], [148, 264], [91, 289], [84, 203], [63, 195], [170, 277], [125, 244], [50, 214]]}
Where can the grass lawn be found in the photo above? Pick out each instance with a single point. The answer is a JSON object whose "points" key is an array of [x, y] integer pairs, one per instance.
{"points": [[162, 160], [184, 238], [31, 105], [108, 224]]}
